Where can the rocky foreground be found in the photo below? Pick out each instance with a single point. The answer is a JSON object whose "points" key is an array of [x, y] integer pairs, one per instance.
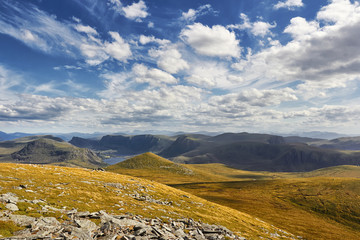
{"points": [[101, 225]]}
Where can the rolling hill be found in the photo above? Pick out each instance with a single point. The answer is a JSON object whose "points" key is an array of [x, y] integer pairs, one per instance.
{"points": [[321, 204], [58, 194], [315, 208], [47, 150], [161, 170]]}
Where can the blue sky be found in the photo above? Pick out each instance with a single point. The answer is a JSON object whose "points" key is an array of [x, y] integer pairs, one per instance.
{"points": [[120, 66]]}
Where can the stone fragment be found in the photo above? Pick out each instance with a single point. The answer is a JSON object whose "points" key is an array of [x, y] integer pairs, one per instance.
{"points": [[86, 224], [12, 207], [45, 224], [22, 220], [79, 226], [9, 198]]}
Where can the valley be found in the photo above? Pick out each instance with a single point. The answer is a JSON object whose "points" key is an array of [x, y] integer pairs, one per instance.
{"points": [[256, 185], [320, 204], [59, 192]]}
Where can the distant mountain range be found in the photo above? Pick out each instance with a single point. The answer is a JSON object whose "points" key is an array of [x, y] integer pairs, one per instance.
{"points": [[317, 134], [10, 136], [257, 152], [246, 151]]}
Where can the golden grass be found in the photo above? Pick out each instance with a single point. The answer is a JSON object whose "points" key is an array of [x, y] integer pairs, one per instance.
{"points": [[87, 190], [315, 208], [153, 167], [321, 204], [8, 228], [337, 171]]}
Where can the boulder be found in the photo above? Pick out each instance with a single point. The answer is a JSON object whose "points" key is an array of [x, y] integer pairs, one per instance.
{"points": [[9, 198], [12, 207], [22, 220]]}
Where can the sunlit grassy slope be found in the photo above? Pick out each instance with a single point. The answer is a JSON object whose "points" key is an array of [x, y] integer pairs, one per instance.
{"points": [[315, 208], [233, 174], [154, 167], [321, 204], [88, 190]]}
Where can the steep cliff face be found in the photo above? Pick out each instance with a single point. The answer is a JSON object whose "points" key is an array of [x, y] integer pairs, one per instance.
{"points": [[182, 145], [84, 143], [307, 159], [125, 144], [270, 157]]}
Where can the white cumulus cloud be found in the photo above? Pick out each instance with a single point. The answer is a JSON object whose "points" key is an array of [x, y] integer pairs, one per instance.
{"points": [[149, 39], [211, 74], [152, 76], [215, 41], [86, 29], [192, 14], [300, 28], [320, 50], [258, 28], [136, 11], [118, 49], [169, 59], [289, 4]]}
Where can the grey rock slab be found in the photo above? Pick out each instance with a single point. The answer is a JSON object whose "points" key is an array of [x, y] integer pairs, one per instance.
{"points": [[124, 222], [37, 201], [140, 232], [71, 212], [180, 233], [110, 237], [12, 207], [79, 233], [46, 224], [120, 222], [86, 224], [23, 233], [22, 220], [83, 214], [9, 198]]}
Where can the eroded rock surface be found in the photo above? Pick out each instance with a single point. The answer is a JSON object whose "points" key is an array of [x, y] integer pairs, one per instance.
{"points": [[81, 225]]}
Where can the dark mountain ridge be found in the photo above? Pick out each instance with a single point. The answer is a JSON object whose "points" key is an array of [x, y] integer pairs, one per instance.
{"points": [[343, 143], [48, 150], [269, 157], [181, 145], [247, 137], [125, 145], [10, 136], [248, 151]]}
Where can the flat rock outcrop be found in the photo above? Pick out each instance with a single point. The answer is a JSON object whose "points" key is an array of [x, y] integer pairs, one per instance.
{"points": [[81, 225]]}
